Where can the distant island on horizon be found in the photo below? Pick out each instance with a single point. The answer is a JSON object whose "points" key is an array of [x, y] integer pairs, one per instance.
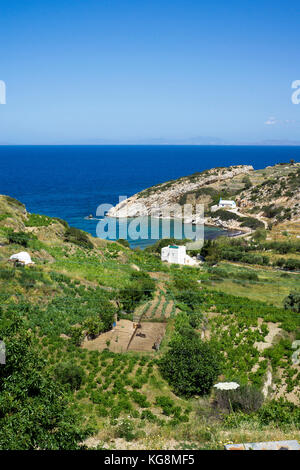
{"points": [[165, 142]]}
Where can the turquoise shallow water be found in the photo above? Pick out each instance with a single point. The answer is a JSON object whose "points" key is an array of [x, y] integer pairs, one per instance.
{"points": [[148, 234]]}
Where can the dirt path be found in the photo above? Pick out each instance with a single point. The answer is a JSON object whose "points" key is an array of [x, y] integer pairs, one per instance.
{"points": [[268, 383], [153, 304], [169, 309], [158, 312], [274, 330]]}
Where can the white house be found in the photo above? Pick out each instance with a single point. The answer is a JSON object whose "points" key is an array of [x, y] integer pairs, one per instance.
{"points": [[176, 254], [173, 254], [227, 204]]}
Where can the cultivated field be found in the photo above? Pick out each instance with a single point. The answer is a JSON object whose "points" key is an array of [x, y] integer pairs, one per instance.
{"points": [[125, 337]]}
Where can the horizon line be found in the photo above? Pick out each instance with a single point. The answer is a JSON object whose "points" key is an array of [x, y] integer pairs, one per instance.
{"points": [[156, 145]]}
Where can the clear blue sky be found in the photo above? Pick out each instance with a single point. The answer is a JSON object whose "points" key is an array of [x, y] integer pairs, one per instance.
{"points": [[83, 71]]}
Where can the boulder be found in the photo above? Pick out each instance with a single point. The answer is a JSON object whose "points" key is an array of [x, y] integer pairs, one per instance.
{"points": [[23, 257]]}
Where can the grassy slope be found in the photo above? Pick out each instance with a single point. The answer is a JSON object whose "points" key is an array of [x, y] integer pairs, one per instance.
{"points": [[271, 287]]}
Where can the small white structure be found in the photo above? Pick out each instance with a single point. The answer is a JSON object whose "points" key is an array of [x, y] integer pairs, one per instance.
{"points": [[227, 204], [177, 254], [23, 257], [227, 385]]}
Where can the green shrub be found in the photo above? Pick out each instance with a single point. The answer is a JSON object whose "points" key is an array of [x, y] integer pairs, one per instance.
{"points": [[272, 211], [246, 399], [247, 182], [19, 238], [140, 399], [7, 273], [279, 351], [74, 235], [14, 202], [259, 235], [93, 326], [123, 242], [191, 365], [252, 223], [37, 220], [77, 335], [290, 264], [141, 288], [205, 191], [147, 414], [61, 221], [28, 278], [226, 215], [167, 405], [280, 412], [126, 430], [292, 301], [249, 275], [102, 411], [70, 374], [4, 216]]}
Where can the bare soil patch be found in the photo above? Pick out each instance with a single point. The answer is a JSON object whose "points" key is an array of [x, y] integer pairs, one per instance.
{"points": [[274, 330], [153, 332], [169, 309], [119, 338]]}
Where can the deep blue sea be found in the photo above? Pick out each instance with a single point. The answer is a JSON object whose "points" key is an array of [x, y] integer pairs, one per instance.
{"points": [[70, 182]]}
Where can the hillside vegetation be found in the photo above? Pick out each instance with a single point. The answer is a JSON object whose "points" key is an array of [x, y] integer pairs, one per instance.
{"points": [[72, 379]]}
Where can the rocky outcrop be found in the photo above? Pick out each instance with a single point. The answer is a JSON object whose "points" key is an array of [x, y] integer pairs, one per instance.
{"points": [[165, 200], [271, 196]]}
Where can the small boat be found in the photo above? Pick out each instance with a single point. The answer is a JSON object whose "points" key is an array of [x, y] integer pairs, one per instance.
{"points": [[89, 217]]}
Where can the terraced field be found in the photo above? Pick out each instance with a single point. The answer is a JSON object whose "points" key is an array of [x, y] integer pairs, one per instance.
{"points": [[161, 307]]}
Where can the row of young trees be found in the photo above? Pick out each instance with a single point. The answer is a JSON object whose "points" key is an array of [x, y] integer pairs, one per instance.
{"points": [[244, 252]]}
